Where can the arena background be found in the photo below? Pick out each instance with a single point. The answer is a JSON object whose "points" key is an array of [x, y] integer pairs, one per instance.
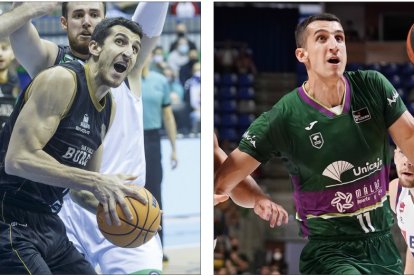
{"points": [[255, 66], [180, 187]]}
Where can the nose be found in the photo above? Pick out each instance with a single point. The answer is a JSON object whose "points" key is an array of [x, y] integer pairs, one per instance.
{"points": [[333, 44], [86, 23], [407, 162], [128, 52]]}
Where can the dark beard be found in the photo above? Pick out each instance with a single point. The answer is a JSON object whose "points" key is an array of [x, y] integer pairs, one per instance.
{"points": [[78, 48]]}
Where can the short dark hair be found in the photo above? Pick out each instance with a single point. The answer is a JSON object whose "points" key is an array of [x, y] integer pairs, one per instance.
{"points": [[102, 30], [301, 27], [65, 9]]}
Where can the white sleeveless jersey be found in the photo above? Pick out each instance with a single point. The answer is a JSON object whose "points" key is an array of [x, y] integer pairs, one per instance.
{"points": [[127, 126], [405, 213], [123, 152]]}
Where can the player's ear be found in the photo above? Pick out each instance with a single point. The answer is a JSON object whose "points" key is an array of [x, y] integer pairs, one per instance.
{"points": [[64, 23], [301, 55], [94, 48]]}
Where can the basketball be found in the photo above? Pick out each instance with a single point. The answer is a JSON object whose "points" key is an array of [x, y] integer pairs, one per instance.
{"points": [[146, 221], [410, 44]]}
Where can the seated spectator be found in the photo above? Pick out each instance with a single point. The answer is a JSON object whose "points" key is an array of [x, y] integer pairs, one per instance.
{"points": [[9, 82], [244, 62], [181, 31], [193, 98], [158, 63], [186, 71], [179, 56], [227, 57]]}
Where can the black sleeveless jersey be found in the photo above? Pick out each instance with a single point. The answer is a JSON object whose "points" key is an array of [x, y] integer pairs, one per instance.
{"points": [[77, 137]]}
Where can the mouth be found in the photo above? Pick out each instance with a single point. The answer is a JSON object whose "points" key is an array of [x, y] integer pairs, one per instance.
{"points": [[120, 66], [334, 60], [407, 173]]}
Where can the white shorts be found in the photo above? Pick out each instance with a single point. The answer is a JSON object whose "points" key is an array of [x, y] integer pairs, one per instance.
{"points": [[82, 230]]}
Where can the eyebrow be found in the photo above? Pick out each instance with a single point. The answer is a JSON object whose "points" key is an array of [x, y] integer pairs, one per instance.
{"points": [[324, 30], [126, 37], [90, 10]]}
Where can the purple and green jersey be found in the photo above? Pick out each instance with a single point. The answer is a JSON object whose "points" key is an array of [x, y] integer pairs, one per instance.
{"points": [[338, 164]]}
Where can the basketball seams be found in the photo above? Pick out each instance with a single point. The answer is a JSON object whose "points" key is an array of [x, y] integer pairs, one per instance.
{"points": [[145, 221]]}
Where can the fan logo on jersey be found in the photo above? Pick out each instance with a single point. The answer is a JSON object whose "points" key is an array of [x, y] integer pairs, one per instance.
{"points": [[335, 169], [316, 140], [342, 201], [84, 125], [395, 95], [361, 115], [250, 138]]}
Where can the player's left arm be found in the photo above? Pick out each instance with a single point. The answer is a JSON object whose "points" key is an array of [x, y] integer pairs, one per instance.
{"points": [[393, 188], [402, 132], [151, 17]]}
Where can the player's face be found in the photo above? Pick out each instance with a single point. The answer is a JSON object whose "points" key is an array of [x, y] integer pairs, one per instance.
{"points": [[6, 55], [82, 20], [119, 55], [325, 49], [405, 169]]}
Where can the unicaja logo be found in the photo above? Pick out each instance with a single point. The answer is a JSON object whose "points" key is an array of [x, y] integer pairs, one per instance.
{"points": [[342, 201], [336, 169]]}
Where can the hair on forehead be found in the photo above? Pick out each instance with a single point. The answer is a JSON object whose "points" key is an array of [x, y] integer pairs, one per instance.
{"points": [[103, 29], [65, 8], [301, 27]]}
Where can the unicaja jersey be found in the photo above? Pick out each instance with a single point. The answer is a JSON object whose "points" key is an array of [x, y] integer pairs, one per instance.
{"points": [[405, 211], [338, 164], [76, 139]]}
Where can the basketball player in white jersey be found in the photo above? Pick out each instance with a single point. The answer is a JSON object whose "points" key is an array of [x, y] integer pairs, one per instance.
{"points": [[401, 193], [123, 145]]}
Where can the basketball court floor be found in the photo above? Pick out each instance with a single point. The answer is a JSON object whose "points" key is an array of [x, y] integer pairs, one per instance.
{"points": [[181, 206]]}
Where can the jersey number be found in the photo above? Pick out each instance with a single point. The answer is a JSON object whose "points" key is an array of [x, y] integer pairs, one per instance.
{"points": [[366, 226]]}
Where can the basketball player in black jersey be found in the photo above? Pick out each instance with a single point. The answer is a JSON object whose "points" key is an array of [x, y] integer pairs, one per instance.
{"points": [[52, 143]]}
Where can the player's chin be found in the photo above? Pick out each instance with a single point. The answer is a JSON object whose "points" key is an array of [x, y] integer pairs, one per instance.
{"points": [[407, 180]]}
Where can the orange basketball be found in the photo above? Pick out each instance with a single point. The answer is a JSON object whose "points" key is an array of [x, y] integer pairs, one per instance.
{"points": [[146, 221], [410, 44]]}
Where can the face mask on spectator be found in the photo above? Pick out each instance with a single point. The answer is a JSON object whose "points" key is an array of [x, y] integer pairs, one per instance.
{"points": [[183, 49], [180, 34], [197, 74], [158, 58]]}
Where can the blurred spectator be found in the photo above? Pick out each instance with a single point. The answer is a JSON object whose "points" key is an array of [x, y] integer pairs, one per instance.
{"points": [[9, 82], [227, 56], [179, 107], [244, 62], [186, 71], [185, 9], [158, 63], [181, 31], [193, 97], [179, 56]]}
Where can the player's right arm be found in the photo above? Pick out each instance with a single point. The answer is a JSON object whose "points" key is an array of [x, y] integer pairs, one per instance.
{"points": [[32, 52], [35, 126]]}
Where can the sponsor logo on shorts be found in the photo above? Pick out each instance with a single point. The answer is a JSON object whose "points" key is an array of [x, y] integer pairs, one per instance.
{"points": [[361, 115]]}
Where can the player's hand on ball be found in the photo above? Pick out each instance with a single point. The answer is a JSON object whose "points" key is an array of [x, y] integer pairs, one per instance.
{"points": [[220, 198], [112, 190], [270, 211]]}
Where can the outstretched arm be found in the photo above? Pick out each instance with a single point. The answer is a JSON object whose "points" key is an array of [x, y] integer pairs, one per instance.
{"points": [[151, 16], [32, 52]]}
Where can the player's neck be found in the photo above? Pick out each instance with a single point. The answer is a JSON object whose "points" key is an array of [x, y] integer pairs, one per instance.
{"points": [[94, 84], [4, 76], [330, 94]]}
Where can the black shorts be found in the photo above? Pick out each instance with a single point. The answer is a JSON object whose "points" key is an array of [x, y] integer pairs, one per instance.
{"points": [[36, 243]]}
